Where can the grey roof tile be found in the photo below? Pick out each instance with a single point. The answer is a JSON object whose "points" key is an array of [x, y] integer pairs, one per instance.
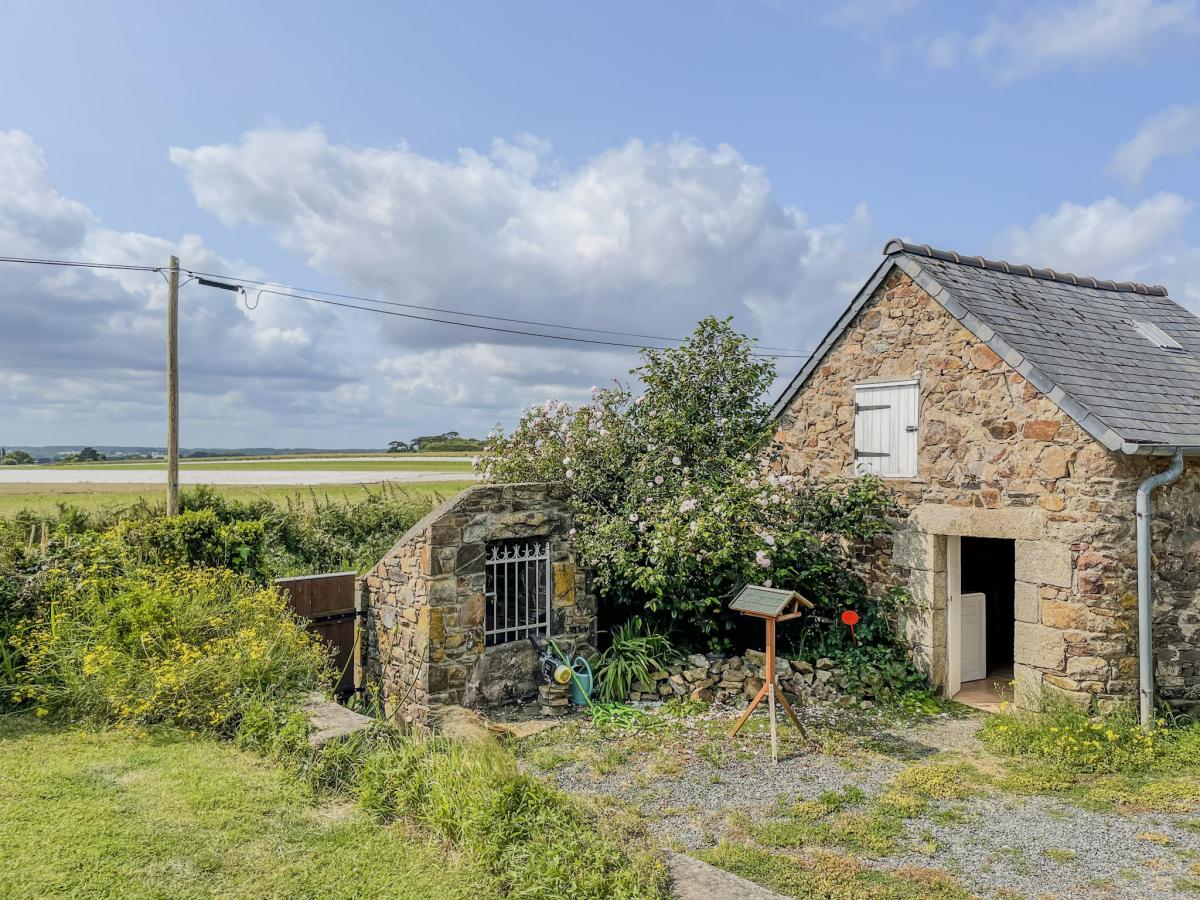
{"points": [[1083, 340]]}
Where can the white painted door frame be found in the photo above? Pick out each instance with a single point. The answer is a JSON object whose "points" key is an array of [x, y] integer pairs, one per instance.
{"points": [[953, 614]]}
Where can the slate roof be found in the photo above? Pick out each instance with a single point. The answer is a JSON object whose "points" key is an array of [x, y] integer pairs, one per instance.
{"points": [[1073, 337]]}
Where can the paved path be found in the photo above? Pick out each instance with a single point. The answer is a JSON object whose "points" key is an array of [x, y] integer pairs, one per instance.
{"points": [[692, 879], [188, 475]]}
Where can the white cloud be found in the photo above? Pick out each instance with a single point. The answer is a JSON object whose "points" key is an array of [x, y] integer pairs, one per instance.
{"points": [[646, 238], [81, 351], [869, 14], [642, 237], [1082, 32], [1173, 132], [1107, 238], [33, 215], [943, 50]]}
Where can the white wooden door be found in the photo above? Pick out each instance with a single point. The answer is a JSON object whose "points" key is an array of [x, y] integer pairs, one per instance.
{"points": [[953, 615], [973, 652]]}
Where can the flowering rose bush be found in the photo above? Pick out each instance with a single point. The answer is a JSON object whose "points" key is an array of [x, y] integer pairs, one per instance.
{"points": [[673, 503]]}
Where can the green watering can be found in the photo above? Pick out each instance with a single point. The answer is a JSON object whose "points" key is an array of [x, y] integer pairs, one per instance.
{"points": [[581, 682]]}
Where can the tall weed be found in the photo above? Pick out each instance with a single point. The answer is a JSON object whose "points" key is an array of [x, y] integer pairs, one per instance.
{"points": [[534, 840], [1077, 741]]}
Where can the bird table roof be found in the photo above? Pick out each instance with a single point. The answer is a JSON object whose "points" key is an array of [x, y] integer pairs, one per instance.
{"points": [[770, 603]]}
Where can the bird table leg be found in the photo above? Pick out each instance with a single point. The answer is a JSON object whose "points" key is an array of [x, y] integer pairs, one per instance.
{"points": [[774, 737], [787, 707], [749, 709]]}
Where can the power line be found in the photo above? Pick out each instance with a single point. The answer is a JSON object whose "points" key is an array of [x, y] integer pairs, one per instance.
{"points": [[493, 328], [75, 264], [268, 287], [458, 312]]}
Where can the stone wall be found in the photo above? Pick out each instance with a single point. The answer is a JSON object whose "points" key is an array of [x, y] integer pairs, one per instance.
{"points": [[424, 602], [997, 458], [715, 678]]}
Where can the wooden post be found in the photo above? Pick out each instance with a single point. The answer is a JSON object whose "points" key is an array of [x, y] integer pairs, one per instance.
{"points": [[771, 682], [173, 387]]}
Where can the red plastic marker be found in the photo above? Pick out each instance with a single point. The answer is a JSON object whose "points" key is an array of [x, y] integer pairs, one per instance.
{"points": [[850, 617]]}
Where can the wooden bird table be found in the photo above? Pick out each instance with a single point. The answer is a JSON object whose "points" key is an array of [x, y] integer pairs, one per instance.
{"points": [[774, 605]]}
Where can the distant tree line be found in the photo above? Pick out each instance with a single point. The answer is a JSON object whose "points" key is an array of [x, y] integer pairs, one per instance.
{"points": [[24, 458], [447, 442], [15, 458]]}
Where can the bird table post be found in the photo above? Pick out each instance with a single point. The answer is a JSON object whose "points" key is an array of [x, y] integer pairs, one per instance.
{"points": [[773, 605]]}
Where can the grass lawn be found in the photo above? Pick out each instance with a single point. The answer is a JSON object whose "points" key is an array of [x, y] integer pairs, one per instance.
{"points": [[409, 464], [106, 814], [44, 498]]}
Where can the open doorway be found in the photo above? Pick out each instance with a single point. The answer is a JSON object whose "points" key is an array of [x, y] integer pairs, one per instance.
{"points": [[982, 579]]}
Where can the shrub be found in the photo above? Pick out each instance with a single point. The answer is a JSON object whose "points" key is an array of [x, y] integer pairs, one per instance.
{"points": [[321, 534], [198, 538], [188, 647], [634, 652], [883, 672], [673, 509]]}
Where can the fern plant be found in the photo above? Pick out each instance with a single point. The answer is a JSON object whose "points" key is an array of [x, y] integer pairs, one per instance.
{"points": [[636, 651]]}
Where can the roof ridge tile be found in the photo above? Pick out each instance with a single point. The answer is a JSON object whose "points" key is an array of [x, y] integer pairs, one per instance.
{"points": [[895, 245]]}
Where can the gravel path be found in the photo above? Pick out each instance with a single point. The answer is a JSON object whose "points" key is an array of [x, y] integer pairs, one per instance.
{"points": [[1038, 846], [687, 785]]}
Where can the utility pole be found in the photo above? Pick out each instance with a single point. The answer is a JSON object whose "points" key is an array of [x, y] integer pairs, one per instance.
{"points": [[173, 387]]}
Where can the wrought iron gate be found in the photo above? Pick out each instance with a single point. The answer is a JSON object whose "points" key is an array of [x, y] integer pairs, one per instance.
{"points": [[518, 589]]}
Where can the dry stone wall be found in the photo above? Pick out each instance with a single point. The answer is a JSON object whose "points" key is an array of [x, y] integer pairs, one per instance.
{"points": [[997, 458], [425, 604], [714, 678]]}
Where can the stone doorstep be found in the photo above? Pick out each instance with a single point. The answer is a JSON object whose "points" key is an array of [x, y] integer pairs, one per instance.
{"points": [[330, 720], [693, 879]]}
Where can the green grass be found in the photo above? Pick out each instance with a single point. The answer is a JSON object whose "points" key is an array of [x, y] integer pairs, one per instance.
{"points": [[44, 498], [103, 813], [832, 876], [285, 465], [848, 819]]}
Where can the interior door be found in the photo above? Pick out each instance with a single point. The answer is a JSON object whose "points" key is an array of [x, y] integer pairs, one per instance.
{"points": [[953, 615], [973, 637]]}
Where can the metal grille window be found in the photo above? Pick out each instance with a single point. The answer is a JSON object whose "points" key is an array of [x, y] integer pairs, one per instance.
{"points": [[517, 590]]}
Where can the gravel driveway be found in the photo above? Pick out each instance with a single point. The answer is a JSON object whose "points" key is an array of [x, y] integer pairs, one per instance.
{"points": [[689, 788]]}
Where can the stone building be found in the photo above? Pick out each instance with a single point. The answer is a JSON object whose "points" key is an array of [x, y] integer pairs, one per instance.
{"points": [[1016, 412], [451, 607]]}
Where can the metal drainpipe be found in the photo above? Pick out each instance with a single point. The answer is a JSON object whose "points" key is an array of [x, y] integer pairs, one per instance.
{"points": [[1146, 585]]}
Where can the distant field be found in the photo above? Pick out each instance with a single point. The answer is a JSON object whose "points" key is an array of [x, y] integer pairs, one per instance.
{"points": [[44, 498], [290, 464]]}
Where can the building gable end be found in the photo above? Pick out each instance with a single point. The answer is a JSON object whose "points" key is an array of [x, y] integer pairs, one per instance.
{"points": [[1088, 421]]}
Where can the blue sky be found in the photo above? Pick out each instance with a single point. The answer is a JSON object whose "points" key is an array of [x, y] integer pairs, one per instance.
{"points": [[658, 162]]}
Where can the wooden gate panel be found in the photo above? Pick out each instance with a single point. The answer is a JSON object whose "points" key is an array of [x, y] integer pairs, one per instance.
{"points": [[327, 602]]}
